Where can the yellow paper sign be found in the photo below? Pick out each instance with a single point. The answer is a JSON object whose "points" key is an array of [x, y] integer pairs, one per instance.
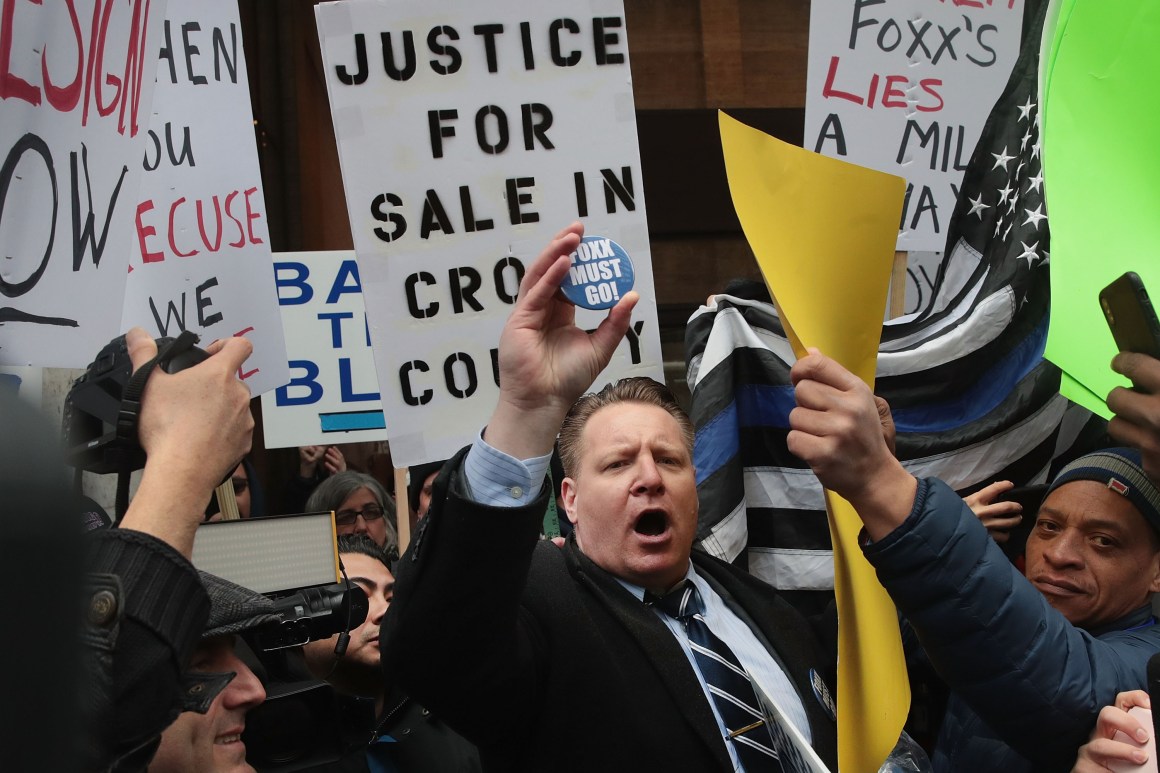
{"points": [[824, 232]]}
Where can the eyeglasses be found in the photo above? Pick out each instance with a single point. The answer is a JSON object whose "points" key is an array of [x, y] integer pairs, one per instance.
{"points": [[240, 485], [371, 512]]}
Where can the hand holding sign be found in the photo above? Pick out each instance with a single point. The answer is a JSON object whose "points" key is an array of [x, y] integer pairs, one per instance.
{"points": [[839, 429], [545, 360]]}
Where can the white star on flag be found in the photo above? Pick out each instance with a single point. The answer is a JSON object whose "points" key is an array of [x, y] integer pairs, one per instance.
{"points": [[1026, 108], [1002, 159], [1028, 252], [1034, 216], [977, 206]]}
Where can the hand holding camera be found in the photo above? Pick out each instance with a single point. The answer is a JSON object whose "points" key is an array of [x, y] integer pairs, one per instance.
{"points": [[194, 426]]}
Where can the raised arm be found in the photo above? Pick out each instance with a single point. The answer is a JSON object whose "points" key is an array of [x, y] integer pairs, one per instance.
{"points": [[841, 430], [459, 585], [545, 360]]}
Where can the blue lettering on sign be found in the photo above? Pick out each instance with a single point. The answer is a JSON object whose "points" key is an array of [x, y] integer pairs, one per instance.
{"points": [[309, 381], [346, 384], [345, 281], [296, 281], [336, 318]]}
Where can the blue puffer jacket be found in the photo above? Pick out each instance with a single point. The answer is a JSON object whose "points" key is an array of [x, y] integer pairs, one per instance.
{"points": [[1026, 684]]}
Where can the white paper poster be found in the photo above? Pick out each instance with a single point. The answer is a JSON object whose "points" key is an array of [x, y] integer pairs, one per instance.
{"points": [[469, 134], [904, 86], [201, 257], [76, 83], [332, 395]]}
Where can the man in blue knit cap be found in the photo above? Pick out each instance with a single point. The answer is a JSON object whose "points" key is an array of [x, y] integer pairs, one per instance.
{"points": [[1093, 551], [1094, 556]]}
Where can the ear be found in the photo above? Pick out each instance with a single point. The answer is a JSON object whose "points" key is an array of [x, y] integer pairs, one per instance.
{"points": [[568, 497], [1154, 585]]}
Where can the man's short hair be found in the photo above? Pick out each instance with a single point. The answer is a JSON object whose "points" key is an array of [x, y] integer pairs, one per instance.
{"points": [[363, 545], [639, 389]]}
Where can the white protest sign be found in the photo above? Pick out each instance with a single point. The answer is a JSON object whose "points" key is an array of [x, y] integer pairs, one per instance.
{"points": [[201, 257], [333, 391], [76, 81], [904, 86], [469, 134]]}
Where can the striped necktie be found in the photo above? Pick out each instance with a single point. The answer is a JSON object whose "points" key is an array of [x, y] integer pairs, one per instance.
{"points": [[728, 683]]}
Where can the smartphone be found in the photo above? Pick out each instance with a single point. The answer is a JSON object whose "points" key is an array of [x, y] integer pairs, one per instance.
{"points": [[1130, 315]]}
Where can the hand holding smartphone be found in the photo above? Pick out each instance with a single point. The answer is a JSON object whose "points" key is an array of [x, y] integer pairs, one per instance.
{"points": [[1131, 316]]}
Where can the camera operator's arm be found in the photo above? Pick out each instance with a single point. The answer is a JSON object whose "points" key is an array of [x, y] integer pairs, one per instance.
{"points": [[195, 427], [147, 604]]}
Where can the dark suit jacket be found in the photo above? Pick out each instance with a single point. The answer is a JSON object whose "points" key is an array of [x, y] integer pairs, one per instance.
{"points": [[546, 662]]}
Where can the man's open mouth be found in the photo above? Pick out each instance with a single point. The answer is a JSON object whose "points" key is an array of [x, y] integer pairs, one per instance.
{"points": [[651, 523]]}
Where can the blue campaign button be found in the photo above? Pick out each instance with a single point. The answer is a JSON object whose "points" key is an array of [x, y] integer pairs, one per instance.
{"points": [[601, 274]]}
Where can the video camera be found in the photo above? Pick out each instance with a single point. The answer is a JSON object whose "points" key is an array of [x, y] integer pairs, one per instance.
{"points": [[310, 614], [101, 409]]}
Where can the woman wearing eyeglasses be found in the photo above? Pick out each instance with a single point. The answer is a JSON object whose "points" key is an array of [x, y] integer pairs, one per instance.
{"points": [[361, 506]]}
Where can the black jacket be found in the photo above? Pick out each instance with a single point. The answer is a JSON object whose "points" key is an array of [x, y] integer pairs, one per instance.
{"points": [[546, 662]]}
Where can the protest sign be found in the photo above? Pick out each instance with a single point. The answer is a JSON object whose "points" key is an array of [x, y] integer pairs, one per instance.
{"points": [[468, 136], [333, 394], [1099, 117], [904, 86], [76, 81], [201, 257], [782, 195]]}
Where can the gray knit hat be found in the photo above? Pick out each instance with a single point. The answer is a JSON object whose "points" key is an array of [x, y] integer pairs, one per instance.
{"points": [[1121, 471], [234, 609]]}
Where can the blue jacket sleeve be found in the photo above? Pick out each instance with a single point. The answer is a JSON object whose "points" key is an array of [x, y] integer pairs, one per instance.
{"points": [[1037, 680]]}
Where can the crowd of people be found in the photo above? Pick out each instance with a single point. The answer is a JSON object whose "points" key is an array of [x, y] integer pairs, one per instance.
{"points": [[621, 646]]}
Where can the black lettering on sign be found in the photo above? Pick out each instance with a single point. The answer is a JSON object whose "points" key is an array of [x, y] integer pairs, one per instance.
{"points": [[28, 143]]}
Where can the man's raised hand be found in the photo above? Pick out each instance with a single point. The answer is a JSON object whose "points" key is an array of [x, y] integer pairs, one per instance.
{"points": [[545, 360]]}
